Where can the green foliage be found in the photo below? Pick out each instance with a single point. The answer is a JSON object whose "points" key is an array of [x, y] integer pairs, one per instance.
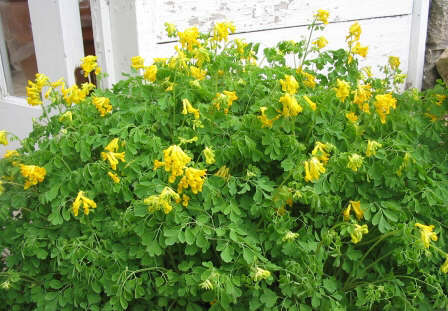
{"points": [[258, 238]]}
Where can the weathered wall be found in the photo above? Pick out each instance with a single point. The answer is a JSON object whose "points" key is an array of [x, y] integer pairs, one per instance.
{"points": [[386, 28]]}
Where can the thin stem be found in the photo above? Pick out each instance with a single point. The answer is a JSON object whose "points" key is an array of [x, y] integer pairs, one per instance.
{"points": [[308, 43]]}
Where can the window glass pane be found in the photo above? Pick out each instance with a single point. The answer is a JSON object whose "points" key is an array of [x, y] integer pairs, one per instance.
{"points": [[18, 56]]}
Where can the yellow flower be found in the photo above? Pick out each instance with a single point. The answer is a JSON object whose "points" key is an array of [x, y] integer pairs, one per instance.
{"points": [[137, 62], [265, 121], [426, 234], [188, 108], [114, 177], [321, 151], [209, 156], [221, 31], [261, 274], [321, 42], [2, 189], [75, 95], [112, 146], [175, 160], [356, 205], [102, 104], [66, 116], [394, 62], [88, 64], [343, 90], [290, 106], [201, 55], [358, 233], [368, 71], [193, 178], [289, 85], [34, 89], [170, 30], [313, 169], [351, 116], [354, 32], [310, 80], [223, 172], [431, 116], [290, 236], [372, 146], [33, 174], [444, 267], [310, 102], [362, 95], [150, 73], [198, 73], [86, 203], [322, 16], [4, 138], [383, 104], [111, 155], [11, 154], [189, 38], [355, 162], [360, 50], [226, 97], [440, 98], [207, 285]]}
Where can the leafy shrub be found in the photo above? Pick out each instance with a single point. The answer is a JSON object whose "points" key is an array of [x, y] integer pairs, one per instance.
{"points": [[206, 181]]}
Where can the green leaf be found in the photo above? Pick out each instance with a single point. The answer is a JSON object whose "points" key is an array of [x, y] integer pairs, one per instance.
{"points": [[55, 284], [269, 298], [227, 254]]}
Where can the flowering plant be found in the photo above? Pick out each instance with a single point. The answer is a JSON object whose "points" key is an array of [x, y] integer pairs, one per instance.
{"points": [[212, 181]]}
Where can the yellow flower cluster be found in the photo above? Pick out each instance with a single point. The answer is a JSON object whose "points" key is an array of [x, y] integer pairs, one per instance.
{"points": [[102, 104], [362, 94], [426, 234], [354, 36], [290, 236], [313, 169], [175, 160], [188, 108], [33, 174], [354, 161], [150, 73], [444, 267], [440, 99], [261, 274], [114, 177], [11, 154], [291, 107], [170, 30], [394, 62], [223, 172], [221, 31], [383, 104], [321, 151], [321, 42], [289, 84], [4, 138], [137, 62], [110, 154], [265, 121], [351, 116], [86, 203], [372, 146], [193, 178], [162, 201], [322, 16], [227, 98], [309, 80], [356, 205], [189, 38], [342, 90], [75, 95], [198, 73], [34, 89], [66, 116], [209, 156], [358, 232], [89, 64]]}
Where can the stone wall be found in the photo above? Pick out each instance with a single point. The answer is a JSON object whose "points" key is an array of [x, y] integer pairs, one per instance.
{"points": [[436, 43]]}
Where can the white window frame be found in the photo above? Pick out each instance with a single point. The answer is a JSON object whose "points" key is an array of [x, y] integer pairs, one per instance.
{"points": [[57, 36]]}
